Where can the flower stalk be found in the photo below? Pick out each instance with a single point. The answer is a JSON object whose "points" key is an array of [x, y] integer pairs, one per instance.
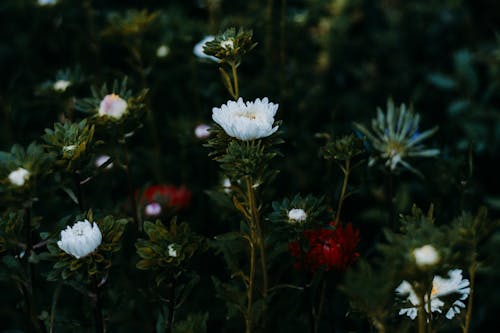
{"points": [[346, 169], [99, 322]]}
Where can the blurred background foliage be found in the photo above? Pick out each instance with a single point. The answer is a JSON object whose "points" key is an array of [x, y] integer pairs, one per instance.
{"points": [[327, 63]]}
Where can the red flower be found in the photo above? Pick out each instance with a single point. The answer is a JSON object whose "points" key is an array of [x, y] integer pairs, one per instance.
{"points": [[327, 249], [169, 195]]}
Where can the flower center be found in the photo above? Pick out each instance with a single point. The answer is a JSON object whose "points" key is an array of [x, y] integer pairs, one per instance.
{"points": [[248, 115]]}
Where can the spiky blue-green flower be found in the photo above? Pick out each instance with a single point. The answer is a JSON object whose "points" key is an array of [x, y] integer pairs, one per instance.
{"points": [[395, 137]]}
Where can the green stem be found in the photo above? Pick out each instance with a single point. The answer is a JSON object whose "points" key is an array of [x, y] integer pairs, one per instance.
{"points": [[347, 171], [131, 193], [259, 237], [468, 314], [79, 190], [28, 290], [99, 322], [234, 71], [171, 307], [55, 298], [390, 200], [421, 314], [317, 314], [251, 277]]}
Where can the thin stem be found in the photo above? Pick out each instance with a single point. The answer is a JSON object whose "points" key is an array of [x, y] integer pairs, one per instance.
{"points": [[390, 200], [171, 307], [99, 322], [55, 298], [131, 193], [234, 71], [258, 233], [251, 277], [283, 18], [347, 171], [28, 289], [79, 190], [468, 314], [421, 314], [317, 315]]}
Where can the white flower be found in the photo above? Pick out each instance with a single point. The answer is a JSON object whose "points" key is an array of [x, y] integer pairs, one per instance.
{"points": [[81, 239], [226, 184], [153, 209], [297, 215], [426, 256], [47, 2], [99, 161], [68, 148], [19, 176], [227, 44], [61, 85], [201, 131], [198, 49], [162, 51], [172, 252], [112, 106], [246, 121], [455, 284]]}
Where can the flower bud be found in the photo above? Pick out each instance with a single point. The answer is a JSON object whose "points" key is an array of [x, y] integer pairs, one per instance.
{"points": [[162, 51], [19, 177], [112, 106], [61, 85], [426, 256], [297, 215], [172, 252], [153, 209], [201, 131]]}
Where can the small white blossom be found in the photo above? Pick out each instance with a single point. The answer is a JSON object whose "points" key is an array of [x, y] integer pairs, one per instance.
{"points": [[455, 284], [172, 252], [61, 85], [19, 177], [202, 131], [99, 161], [198, 49], [226, 184], [112, 106], [247, 121], [227, 44], [47, 2], [81, 239], [69, 148], [162, 51], [153, 209], [297, 215], [426, 255]]}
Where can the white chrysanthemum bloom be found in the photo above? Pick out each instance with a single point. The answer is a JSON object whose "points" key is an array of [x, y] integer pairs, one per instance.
{"points": [[19, 177], [455, 284], [172, 252], [297, 215], [247, 121], [198, 49], [426, 255], [100, 160], [162, 51], [61, 85], [81, 239], [153, 209], [113, 106], [202, 131]]}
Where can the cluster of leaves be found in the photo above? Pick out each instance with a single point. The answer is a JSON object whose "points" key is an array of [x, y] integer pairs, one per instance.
{"points": [[167, 249]]}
